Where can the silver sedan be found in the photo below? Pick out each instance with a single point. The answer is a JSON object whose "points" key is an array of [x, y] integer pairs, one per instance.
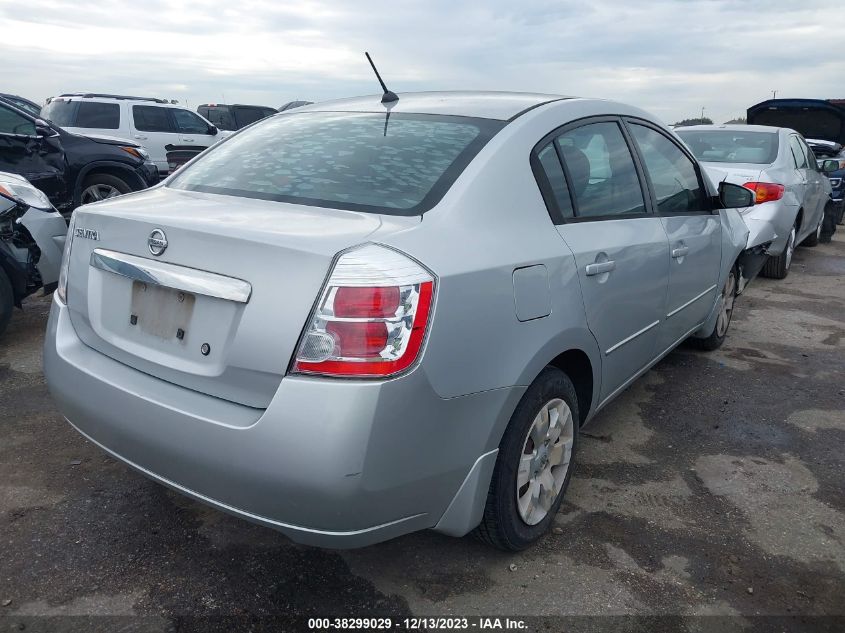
{"points": [[776, 163], [358, 319]]}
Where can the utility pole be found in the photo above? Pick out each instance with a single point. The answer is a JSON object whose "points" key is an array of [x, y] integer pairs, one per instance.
{"points": [[702, 113], [774, 94]]}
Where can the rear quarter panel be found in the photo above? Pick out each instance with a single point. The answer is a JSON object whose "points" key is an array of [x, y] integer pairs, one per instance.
{"points": [[491, 222]]}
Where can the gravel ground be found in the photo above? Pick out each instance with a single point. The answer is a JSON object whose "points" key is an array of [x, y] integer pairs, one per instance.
{"points": [[712, 487]]}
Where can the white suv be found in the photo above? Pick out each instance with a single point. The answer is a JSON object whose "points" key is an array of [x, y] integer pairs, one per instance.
{"points": [[171, 133]]}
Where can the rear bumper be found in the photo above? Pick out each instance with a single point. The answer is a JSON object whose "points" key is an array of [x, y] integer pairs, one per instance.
{"points": [[328, 463]]}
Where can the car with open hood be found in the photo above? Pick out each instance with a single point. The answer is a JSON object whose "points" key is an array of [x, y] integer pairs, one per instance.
{"points": [[822, 123], [367, 317]]}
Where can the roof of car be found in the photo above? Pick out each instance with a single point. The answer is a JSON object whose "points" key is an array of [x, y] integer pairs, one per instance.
{"points": [[737, 127], [486, 105]]}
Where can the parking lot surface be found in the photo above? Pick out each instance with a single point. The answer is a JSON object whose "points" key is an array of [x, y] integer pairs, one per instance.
{"points": [[713, 486]]}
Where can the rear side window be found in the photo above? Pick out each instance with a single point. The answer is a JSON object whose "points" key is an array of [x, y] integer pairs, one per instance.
{"points": [[399, 164], [602, 175], [151, 119], [672, 174], [13, 123], [553, 173], [104, 116], [798, 154]]}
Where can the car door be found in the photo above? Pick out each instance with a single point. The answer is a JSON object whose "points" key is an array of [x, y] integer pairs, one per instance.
{"points": [[37, 156], [694, 231], [153, 127], [593, 188], [194, 131], [803, 188]]}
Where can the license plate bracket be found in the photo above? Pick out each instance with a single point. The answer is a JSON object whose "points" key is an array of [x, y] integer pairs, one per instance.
{"points": [[164, 313]]}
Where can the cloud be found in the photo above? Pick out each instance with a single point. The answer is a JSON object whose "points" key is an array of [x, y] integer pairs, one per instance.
{"points": [[669, 57]]}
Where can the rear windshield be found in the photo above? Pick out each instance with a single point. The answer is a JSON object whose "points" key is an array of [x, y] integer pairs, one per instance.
{"points": [[402, 164], [246, 115], [60, 112], [731, 146]]}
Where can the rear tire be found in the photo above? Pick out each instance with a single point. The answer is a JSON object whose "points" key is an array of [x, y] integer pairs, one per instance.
{"points": [[723, 322], [813, 238], [777, 267], [7, 301], [517, 515], [98, 187]]}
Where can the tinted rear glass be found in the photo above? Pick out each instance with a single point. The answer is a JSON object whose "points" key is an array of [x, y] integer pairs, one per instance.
{"points": [[151, 119], [219, 116], [102, 116], [246, 116], [358, 161], [60, 112], [730, 146]]}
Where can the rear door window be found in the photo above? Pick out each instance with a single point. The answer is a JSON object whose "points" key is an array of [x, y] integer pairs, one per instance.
{"points": [[94, 115], [601, 171], [151, 119], [398, 164], [673, 176]]}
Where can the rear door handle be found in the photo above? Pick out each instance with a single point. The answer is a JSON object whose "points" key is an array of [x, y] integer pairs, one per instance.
{"points": [[680, 251], [598, 269], [141, 137], [188, 140]]}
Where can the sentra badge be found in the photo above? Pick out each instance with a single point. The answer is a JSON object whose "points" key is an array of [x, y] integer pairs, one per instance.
{"points": [[88, 234]]}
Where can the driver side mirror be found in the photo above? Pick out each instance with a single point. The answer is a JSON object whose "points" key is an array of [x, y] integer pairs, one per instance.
{"points": [[212, 130], [734, 196], [828, 166], [42, 128]]}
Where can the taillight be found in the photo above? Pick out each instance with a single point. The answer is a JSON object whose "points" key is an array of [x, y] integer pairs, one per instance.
{"points": [[765, 191], [371, 319], [61, 290]]}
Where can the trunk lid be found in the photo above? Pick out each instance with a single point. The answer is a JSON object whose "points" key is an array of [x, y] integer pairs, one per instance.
{"points": [[237, 275]]}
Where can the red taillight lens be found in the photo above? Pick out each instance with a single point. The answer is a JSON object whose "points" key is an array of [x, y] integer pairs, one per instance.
{"points": [[373, 330], [765, 191], [366, 302]]}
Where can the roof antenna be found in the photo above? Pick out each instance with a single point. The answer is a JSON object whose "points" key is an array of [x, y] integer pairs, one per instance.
{"points": [[388, 96]]}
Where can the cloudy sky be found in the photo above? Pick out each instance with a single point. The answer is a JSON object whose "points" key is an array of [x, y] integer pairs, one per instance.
{"points": [[669, 57]]}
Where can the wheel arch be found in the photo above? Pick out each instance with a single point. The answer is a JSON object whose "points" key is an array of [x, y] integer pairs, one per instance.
{"points": [[111, 168]]}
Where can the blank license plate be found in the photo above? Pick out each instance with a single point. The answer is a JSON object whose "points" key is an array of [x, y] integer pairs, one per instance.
{"points": [[162, 312]]}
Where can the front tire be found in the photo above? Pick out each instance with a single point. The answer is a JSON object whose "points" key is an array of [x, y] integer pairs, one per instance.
{"points": [[723, 322], [98, 187], [534, 464], [7, 301]]}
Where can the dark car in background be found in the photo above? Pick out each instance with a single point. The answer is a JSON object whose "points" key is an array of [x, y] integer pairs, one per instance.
{"points": [[234, 117], [822, 123], [71, 169], [21, 103]]}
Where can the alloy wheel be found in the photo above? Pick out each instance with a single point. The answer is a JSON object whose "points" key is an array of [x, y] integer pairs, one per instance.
{"points": [[545, 460], [98, 192]]}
